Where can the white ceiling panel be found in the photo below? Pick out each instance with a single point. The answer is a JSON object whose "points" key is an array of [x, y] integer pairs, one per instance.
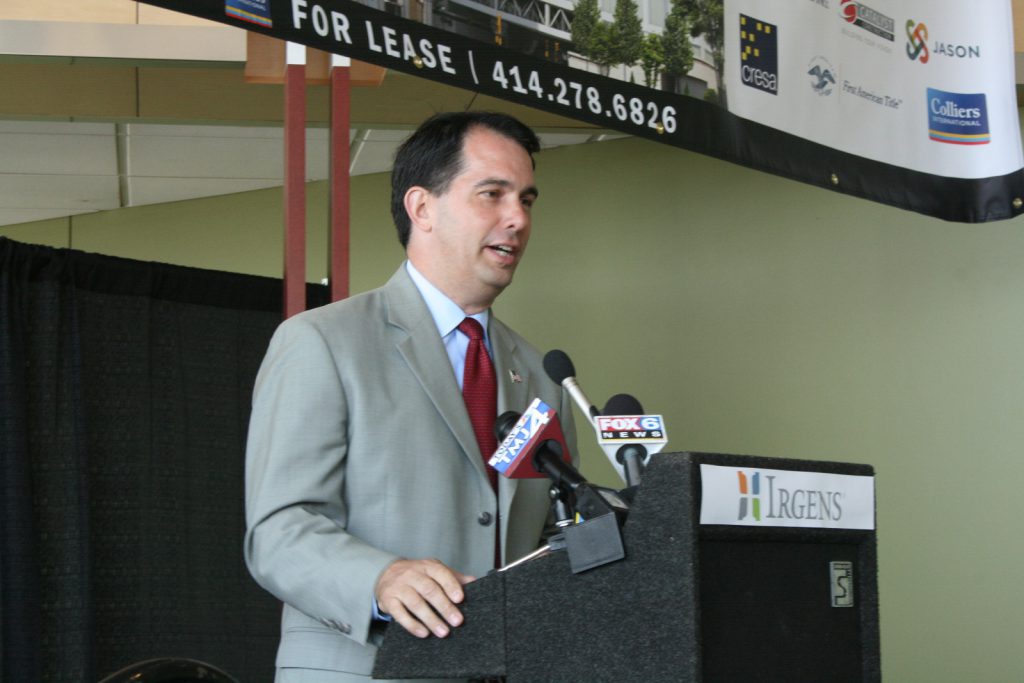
{"points": [[372, 157], [16, 216], [387, 134], [59, 168], [186, 131], [58, 154], [56, 127], [549, 140], [257, 153], [74, 192], [184, 157], [142, 191]]}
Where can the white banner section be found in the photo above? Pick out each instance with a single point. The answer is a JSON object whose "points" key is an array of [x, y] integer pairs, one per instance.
{"points": [[742, 496], [926, 85]]}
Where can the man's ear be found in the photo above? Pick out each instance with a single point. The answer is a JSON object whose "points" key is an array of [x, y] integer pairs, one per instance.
{"points": [[419, 207]]}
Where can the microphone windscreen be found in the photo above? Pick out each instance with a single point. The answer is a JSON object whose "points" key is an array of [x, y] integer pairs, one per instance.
{"points": [[558, 366], [622, 404], [503, 425]]}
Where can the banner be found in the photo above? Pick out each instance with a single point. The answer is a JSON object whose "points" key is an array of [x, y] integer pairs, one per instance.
{"points": [[743, 496], [862, 157], [923, 84]]}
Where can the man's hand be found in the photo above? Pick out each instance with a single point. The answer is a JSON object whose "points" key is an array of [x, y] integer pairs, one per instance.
{"points": [[421, 595]]}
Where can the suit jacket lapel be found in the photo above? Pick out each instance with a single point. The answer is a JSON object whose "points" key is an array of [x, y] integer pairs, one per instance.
{"points": [[421, 347]]}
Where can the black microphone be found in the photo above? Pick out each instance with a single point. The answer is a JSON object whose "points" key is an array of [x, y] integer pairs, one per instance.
{"points": [[532, 445], [561, 371], [523, 465], [540, 453]]}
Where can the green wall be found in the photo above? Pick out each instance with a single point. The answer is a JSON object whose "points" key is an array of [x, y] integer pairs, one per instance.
{"points": [[759, 316]]}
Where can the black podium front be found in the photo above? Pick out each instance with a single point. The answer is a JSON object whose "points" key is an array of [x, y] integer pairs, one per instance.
{"points": [[692, 601]]}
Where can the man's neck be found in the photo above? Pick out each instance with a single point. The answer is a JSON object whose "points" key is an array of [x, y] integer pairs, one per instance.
{"points": [[469, 307]]}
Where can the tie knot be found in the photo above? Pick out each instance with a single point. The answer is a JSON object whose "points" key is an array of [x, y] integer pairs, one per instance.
{"points": [[472, 329]]}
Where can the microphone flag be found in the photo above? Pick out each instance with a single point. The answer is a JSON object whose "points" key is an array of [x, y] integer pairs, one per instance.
{"points": [[538, 424]]}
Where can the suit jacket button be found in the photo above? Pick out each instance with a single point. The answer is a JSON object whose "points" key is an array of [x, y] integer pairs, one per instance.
{"points": [[484, 519]]}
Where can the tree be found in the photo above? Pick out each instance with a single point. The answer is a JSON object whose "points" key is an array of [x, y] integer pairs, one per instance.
{"points": [[586, 18], [675, 42], [707, 19], [601, 50], [627, 34], [652, 59]]}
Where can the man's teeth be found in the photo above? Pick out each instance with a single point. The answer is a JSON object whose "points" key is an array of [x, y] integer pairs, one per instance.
{"points": [[504, 250]]}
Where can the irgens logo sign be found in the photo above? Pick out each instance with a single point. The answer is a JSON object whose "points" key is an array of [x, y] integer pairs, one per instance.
{"points": [[786, 502], [750, 496], [785, 498]]}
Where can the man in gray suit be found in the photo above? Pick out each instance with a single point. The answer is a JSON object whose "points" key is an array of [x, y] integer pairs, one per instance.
{"points": [[367, 494]]}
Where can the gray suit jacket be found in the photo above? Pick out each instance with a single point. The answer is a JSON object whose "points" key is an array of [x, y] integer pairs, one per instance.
{"points": [[360, 452]]}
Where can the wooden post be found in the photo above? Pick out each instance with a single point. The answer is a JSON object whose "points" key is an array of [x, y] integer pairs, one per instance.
{"points": [[295, 181], [339, 178]]}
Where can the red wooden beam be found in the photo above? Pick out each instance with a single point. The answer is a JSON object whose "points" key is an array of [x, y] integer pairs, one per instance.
{"points": [[294, 189], [339, 183]]}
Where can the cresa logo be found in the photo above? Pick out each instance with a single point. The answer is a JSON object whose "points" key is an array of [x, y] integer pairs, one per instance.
{"points": [[917, 41], [750, 495], [759, 54]]}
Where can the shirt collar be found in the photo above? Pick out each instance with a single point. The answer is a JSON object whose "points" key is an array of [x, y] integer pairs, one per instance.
{"points": [[446, 313]]}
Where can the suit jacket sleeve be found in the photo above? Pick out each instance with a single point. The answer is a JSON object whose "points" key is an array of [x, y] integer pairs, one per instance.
{"points": [[295, 475]]}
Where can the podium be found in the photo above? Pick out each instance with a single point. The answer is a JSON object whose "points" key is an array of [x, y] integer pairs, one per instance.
{"points": [[737, 568]]}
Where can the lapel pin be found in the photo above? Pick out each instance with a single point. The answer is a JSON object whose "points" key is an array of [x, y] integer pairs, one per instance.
{"points": [[516, 378]]}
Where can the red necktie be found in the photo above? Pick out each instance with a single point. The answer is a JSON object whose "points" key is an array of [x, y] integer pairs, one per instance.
{"points": [[480, 391]]}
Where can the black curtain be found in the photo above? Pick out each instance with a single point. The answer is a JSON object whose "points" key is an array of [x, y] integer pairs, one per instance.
{"points": [[124, 401]]}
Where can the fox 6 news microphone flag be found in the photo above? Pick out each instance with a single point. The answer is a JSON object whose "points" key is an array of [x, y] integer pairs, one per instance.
{"points": [[616, 431], [911, 103]]}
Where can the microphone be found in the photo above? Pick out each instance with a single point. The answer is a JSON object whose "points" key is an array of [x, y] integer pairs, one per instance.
{"points": [[561, 371], [531, 445], [534, 447], [628, 458], [628, 437]]}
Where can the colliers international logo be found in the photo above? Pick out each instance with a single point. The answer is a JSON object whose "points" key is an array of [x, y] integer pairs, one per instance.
{"points": [[253, 11], [759, 54], [958, 118], [867, 18]]}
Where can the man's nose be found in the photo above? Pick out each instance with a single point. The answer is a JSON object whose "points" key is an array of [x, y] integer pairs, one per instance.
{"points": [[518, 216]]}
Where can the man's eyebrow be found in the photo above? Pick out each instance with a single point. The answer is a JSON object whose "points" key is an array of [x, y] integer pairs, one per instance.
{"points": [[501, 182]]}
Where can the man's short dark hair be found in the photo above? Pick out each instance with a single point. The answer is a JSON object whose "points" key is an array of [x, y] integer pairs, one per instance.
{"points": [[432, 156]]}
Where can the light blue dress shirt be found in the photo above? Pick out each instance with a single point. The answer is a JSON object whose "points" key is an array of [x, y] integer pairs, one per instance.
{"points": [[447, 316]]}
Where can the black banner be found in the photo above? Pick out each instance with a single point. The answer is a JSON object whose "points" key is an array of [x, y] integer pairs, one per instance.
{"points": [[348, 28]]}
